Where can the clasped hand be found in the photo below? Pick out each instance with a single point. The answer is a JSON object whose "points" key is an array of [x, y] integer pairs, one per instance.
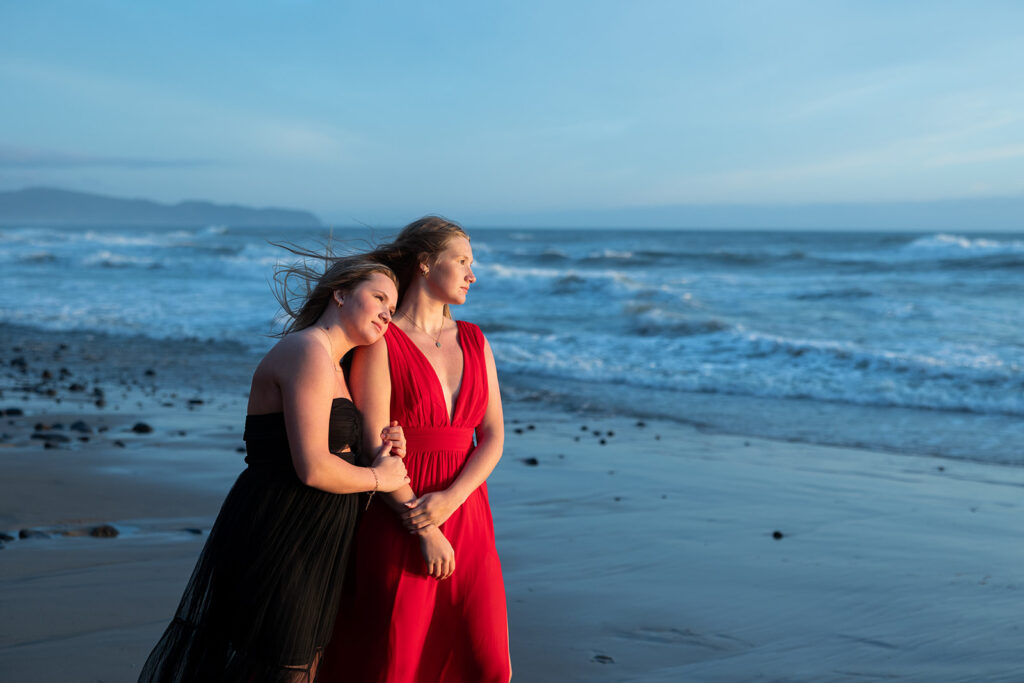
{"points": [[430, 508]]}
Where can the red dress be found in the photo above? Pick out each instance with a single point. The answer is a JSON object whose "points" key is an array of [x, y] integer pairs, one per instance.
{"points": [[402, 626]]}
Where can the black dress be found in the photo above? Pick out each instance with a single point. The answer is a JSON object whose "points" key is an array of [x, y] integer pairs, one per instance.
{"points": [[262, 599]]}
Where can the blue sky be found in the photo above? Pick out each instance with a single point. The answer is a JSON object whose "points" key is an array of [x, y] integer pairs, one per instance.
{"points": [[380, 112]]}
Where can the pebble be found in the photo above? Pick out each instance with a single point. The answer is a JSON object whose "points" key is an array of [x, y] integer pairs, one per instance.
{"points": [[13, 412], [778, 535], [7, 538], [76, 387], [602, 659], [142, 428], [81, 426], [32, 533], [103, 531], [532, 462], [641, 423], [193, 531], [518, 430]]}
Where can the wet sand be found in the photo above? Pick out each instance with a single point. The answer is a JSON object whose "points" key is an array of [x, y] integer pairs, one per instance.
{"points": [[649, 557]]}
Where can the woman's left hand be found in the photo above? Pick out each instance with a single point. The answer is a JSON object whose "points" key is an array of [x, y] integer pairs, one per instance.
{"points": [[396, 436], [431, 508]]}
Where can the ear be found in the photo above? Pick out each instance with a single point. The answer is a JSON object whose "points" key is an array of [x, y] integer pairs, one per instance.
{"points": [[339, 298]]}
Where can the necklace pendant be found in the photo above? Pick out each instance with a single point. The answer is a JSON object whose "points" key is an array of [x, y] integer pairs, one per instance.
{"points": [[437, 344]]}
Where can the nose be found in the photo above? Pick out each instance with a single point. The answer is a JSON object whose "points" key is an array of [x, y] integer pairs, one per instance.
{"points": [[386, 316], [471, 277]]}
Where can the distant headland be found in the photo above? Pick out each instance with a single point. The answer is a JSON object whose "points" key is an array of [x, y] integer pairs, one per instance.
{"points": [[51, 206]]}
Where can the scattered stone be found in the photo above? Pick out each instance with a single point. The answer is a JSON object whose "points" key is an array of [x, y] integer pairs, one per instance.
{"points": [[83, 439], [518, 430], [19, 363], [51, 438], [240, 449], [50, 444], [532, 462], [195, 401], [142, 428], [778, 535], [64, 372], [657, 437], [97, 392], [575, 438], [596, 432], [103, 531], [150, 372], [617, 499], [32, 533], [102, 429], [100, 403], [182, 432], [603, 442], [119, 443], [51, 392], [602, 659], [641, 423], [530, 427], [583, 428], [76, 387], [561, 456], [81, 426], [47, 374], [940, 468], [13, 412], [193, 531], [40, 427], [7, 538]]}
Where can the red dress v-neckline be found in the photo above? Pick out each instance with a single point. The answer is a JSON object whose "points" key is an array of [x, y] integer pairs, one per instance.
{"points": [[449, 412]]}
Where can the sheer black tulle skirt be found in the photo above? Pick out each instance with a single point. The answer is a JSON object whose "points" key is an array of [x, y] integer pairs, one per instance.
{"points": [[262, 599]]}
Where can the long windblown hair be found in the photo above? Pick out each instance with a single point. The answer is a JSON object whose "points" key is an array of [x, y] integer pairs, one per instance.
{"points": [[420, 242], [305, 288]]}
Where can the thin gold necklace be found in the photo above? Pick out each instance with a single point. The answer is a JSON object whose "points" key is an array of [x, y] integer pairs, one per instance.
{"points": [[437, 339]]}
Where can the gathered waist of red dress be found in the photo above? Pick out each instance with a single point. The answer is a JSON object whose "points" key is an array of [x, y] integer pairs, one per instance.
{"points": [[439, 438]]}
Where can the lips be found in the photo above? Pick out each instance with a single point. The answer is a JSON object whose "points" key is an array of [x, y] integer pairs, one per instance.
{"points": [[380, 328]]}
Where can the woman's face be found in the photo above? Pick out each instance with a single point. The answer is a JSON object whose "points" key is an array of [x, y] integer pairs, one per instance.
{"points": [[367, 309], [451, 273]]}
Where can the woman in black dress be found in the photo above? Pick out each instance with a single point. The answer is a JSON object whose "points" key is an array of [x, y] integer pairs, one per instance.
{"points": [[262, 599]]}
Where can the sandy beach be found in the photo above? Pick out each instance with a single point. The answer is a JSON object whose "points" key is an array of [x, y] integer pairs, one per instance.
{"points": [[632, 550]]}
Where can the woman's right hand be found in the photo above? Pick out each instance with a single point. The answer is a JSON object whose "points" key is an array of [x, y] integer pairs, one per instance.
{"points": [[390, 470], [437, 553]]}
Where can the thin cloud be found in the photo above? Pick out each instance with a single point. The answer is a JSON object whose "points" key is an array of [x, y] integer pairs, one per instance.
{"points": [[21, 157]]}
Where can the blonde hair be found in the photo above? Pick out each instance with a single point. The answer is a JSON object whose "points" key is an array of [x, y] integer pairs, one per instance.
{"points": [[317, 283], [420, 241]]}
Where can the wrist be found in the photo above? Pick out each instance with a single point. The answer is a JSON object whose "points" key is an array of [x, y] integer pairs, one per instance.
{"points": [[427, 531]]}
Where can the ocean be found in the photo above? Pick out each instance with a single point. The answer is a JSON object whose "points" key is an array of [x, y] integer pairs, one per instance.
{"points": [[897, 341]]}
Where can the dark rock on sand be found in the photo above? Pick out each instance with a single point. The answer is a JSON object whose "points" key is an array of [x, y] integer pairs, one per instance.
{"points": [[32, 533], [51, 438], [778, 535], [530, 427], [19, 363], [76, 387], [641, 423], [119, 443], [47, 374], [142, 428], [13, 412], [150, 372], [195, 401], [193, 531], [532, 462], [518, 430], [602, 659], [103, 531], [602, 442], [81, 426], [6, 538]]}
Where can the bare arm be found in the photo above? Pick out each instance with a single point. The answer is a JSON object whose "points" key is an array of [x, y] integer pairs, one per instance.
{"points": [[436, 508], [370, 381], [306, 377]]}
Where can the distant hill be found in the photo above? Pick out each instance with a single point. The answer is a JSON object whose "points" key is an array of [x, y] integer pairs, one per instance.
{"points": [[50, 206]]}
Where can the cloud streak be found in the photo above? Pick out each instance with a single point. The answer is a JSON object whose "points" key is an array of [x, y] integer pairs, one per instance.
{"points": [[22, 157]]}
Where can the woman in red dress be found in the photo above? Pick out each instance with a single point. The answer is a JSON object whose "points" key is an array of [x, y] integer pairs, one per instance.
{"points": [[429, 600]]}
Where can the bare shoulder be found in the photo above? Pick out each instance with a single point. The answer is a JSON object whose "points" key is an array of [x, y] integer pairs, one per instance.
{"points": [[296, 353]]}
